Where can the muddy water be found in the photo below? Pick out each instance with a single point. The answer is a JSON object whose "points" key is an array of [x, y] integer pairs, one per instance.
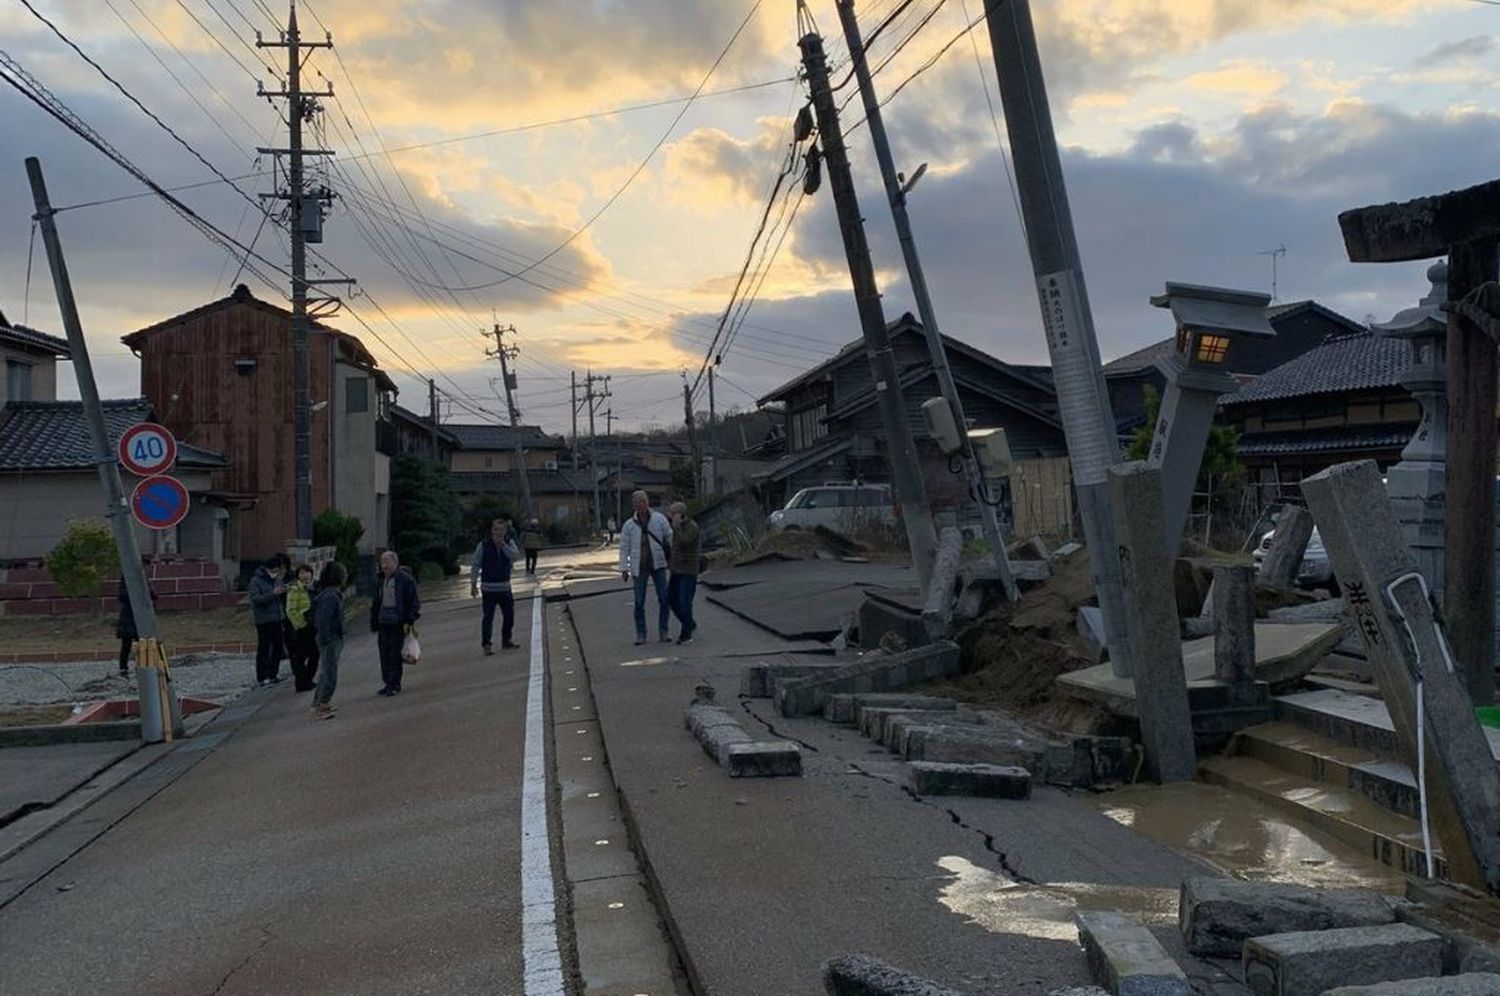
{"points": [[1243, 837]]}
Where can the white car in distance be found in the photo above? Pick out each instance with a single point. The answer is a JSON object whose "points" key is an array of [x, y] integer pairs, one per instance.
{"points": [[843, 508]]}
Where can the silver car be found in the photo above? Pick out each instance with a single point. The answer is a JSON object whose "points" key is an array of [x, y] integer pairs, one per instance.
{"points": [[844, 508], [1316, 570]]}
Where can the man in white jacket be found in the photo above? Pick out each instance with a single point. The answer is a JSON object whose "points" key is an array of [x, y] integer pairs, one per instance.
{"points": [[645, 544]]}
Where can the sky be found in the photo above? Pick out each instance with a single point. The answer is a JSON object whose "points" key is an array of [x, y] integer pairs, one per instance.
{"points": [[494, 163]]}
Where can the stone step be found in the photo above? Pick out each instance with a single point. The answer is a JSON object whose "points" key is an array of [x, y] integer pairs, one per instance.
{"points": [[1309, 963], [1470, 984], [1342, 814], [1352, 720], [1126, 958], [1298, 752]]}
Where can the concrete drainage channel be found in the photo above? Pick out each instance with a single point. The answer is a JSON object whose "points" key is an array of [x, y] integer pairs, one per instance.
{"points": [[621, 944]]}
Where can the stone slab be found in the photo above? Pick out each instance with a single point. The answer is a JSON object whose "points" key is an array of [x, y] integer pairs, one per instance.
{"points": [[984, 780], [1126, 959], [1473, 984], [886, 673], [762, 759], [878, 616], [1217, 915], [759, 678], [861, 703], [861, 975], [1309, 963], [1065, 551]]}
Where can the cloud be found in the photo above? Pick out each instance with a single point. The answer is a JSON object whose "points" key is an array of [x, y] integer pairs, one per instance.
{"points": [[1242, 76], [1462, 50]]}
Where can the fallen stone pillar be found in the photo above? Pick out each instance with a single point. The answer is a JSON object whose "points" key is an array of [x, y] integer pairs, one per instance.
{"points": [[1151, 623], [984, 780], [861, 975], [1218, 915], [1288, 546], [736, 751], [1475, 984], [937, 611], [1125, 958], [1405, 643], [1309, 963], [1234, 630]]}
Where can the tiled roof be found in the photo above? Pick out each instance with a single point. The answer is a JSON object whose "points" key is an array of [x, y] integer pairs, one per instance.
{"points": [[1142, 358], [502, 437], [32, 339], [793, 462], [1343, 439], [1344, 363], [1278, 312], [53, 435]]}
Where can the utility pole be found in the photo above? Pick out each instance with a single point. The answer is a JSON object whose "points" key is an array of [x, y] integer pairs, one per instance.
{"points": [[432, 414], [1088, 424], [153, 684], [592, 398], [906, 470], [687, 411], [896, 193], [573, 396], [305, 215], [505, 354], [713, 433]]}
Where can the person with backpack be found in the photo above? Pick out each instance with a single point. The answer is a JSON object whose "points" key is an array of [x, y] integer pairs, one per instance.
{"points": [[328, 628], [531, 543], [302, 637], [489, 574]]}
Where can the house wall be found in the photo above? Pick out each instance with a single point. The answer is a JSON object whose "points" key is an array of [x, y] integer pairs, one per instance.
{"points": [[362, 475], [43, 373], [469, 461]]}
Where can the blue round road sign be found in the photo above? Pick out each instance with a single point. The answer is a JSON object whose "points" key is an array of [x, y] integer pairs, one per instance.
{"points": [[159, 502]]}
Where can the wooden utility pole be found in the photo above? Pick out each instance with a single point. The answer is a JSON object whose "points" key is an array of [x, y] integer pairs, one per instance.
{"points": [[573, 397], [305, 215], [1089, 425], [896, 194], [505, 353], [687, 412], [161, 714], [901, 450]]}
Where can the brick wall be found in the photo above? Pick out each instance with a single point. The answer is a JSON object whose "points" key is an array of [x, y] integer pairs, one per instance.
{"points": [[179, 584]]}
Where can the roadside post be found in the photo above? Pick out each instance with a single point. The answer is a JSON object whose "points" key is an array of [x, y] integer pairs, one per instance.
{"points": [[159, 708]]}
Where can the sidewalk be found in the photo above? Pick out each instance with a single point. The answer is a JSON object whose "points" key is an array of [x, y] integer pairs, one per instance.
{"points": [[374, 853], [765, 880]]}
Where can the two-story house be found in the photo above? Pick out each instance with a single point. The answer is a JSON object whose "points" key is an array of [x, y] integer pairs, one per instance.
{"points": [[833, 426], [30, 363], [490, 448], [220, 377]]}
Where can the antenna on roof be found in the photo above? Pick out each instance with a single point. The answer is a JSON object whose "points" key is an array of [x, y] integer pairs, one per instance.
{"points": [[1275, 254]]}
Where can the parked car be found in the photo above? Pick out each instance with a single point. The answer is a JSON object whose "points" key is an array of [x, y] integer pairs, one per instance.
{"points": [[844, 508], [1316, 570]]}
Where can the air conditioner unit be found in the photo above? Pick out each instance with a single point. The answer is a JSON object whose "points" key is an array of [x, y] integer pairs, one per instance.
{"points": [[551, 464]]}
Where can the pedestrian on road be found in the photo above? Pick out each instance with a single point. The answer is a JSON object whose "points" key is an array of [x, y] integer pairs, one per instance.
{"points": [[125, 627], [393, 613], [489, 573], [645, 541], [302, 641], [267, 587], [684, 564], [531, 542], [328, 628], [613, 528]]}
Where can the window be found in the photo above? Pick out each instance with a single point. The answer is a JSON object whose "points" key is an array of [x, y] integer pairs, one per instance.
{"points": [[1212, 348], [17, 380], [356, 395], [826, 498]]}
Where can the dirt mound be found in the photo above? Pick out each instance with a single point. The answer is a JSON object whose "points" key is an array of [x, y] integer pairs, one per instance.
{"points": [[800, 544]]}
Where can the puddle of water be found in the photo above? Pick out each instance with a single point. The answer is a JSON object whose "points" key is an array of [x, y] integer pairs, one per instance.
{"points": [[1243, 837], [997, 904]]}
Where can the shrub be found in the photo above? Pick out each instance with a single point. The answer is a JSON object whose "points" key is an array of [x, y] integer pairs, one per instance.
{"points": [[430, 570], [84, 558], [342, 532]]}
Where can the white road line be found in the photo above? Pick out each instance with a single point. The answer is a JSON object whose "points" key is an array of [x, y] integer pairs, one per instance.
{"points": [[542, 961]]}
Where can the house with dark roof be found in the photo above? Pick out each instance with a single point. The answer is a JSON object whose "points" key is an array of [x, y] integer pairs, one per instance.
{"points": [[1341, 400], [48, 478], [834, 432], [415, 436], [30, 359], [220, 377], [561, 498], [1300, 326], [482, 448]]}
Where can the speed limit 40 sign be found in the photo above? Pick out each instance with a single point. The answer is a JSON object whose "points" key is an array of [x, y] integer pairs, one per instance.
{"points": [[147, 449]]}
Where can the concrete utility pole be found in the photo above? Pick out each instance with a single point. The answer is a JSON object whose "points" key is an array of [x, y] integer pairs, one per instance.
{"points": [[1088, 423], [895, 192], [901, 450], [592, 399], [687, 411], [305, 216], [713, 433], [573, 397], [505, 354], [153, 684], [432, 414]]}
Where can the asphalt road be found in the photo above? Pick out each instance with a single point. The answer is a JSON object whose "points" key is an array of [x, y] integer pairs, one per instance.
{"points": [[378, 852]]}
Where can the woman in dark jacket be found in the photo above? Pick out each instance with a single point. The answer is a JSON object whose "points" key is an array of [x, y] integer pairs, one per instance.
{"points": [[328, 624], [125, 627]]}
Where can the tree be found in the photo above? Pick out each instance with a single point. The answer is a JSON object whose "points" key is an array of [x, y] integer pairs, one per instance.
{"points": [[342, 532], [84, 558], [1221, 464], [426, 518]]}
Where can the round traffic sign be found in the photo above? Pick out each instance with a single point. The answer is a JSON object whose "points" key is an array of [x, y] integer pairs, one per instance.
{"points": [[147, 449], [159, 502]]}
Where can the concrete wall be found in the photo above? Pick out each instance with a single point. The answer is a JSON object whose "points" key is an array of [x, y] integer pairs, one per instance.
{"points": [[43, 374], [361, 476]]}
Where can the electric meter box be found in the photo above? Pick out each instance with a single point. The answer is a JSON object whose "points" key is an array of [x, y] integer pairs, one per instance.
{"points": [[992, 450], [941, 426]]}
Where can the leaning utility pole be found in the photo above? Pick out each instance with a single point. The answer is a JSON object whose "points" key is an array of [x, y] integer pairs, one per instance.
{"points": [[896, 193], [687, 411], [906, 470], [305, 215], [1088, 424], [161, 713], [505, 354], [432, 414], [592, 399], [713, 433], [573, 396]]}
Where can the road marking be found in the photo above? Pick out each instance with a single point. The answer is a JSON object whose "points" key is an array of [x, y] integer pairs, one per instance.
{"points": [[541, 959]]}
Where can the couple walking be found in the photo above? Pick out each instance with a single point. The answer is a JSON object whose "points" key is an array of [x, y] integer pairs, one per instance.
{"points": [[653, 547]]}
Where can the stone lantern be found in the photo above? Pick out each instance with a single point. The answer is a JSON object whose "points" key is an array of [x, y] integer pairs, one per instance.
{"points": [[1211, 323], [1416, 484]]}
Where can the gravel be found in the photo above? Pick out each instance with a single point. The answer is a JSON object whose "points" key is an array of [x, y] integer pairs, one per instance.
{"points": [[217, 677]]}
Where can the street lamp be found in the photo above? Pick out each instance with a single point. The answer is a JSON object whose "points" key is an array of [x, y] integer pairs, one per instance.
{"points": [[1211, 323]]}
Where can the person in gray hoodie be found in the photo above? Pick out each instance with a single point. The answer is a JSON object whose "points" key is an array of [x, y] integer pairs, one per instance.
{"points": [[328, 622], [268, 609]]}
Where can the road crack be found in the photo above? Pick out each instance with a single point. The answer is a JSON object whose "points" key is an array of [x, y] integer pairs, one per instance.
{"points": [[266, 938], [745, 704]]}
